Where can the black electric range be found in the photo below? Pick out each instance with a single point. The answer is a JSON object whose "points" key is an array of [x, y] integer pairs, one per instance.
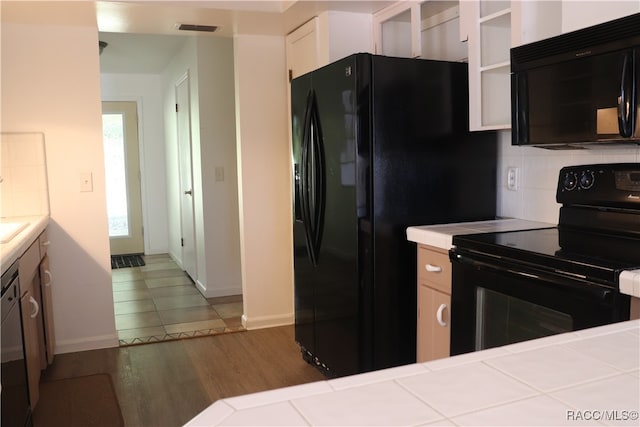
{"points": [[518, 285], [598, 233]]}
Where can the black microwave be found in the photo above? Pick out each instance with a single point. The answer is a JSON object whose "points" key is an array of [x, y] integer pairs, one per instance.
{"points": [[578, 89]]}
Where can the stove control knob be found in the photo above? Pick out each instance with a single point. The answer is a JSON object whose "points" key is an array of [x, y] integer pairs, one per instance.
{"points": [[570, 181], [587, 179]]}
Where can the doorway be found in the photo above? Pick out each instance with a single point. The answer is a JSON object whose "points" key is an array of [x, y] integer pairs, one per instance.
{"points": [[122, 175]]}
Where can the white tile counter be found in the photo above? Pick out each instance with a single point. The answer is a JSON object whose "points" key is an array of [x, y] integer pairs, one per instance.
{"points": [[588, 377], [441, 235], [13, 249]]}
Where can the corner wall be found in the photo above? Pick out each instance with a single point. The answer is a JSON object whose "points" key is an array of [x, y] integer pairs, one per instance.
{"points": [[264, 180], [51, 84]]}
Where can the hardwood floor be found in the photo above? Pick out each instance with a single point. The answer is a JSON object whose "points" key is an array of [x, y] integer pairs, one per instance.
{"points": [[159, 302], [168, 383]]}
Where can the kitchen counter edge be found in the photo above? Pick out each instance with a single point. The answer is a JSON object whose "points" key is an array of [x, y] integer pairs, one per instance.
{"points": [[441, 235], [12, 250]]}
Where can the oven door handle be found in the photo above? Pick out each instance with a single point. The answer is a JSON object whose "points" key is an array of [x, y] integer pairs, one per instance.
{"points": [[579, 284]]}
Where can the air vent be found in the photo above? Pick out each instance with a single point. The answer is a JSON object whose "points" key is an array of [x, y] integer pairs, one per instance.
{"points": [[196, 27]]}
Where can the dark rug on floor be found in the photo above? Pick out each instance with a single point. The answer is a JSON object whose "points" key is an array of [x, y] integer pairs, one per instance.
{"points": [[87, 401], [124, 261]]}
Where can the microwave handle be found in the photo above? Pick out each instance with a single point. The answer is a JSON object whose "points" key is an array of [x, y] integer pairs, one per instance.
{"points": [[627, 98]]}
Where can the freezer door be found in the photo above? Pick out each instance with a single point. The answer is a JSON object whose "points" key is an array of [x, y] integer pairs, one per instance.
{"points": [[303, 278], [326, 224]]}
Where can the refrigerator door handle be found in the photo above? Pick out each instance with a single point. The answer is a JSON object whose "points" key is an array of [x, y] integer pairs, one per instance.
{"points": [[312, 189], [303, 181], [318, 193]]}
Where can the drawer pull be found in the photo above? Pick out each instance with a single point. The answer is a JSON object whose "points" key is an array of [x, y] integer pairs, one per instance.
{"points": [[433, 268], [441, 309]]}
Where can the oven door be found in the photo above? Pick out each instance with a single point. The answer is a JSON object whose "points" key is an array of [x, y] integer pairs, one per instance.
{"points": [[495, 302]]}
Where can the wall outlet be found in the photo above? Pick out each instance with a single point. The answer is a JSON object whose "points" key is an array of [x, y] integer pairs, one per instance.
{"points": [[513, 178]]}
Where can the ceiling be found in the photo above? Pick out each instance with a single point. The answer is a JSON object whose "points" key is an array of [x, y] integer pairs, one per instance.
{"points": [[142, 35]]}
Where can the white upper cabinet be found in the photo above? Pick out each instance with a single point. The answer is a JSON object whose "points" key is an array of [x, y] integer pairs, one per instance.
{"points": [[303, 49], [492, 28], [413, 29], [577, 14], [330, 36], [489, 39]]}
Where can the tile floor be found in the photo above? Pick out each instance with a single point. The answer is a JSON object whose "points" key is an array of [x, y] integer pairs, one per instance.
{"points": [[159, 302]]}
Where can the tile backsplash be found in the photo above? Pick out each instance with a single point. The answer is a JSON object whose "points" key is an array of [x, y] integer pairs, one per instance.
{"points": [[535, 199], [23, 169]]}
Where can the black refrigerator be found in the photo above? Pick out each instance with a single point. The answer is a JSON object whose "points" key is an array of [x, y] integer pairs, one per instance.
{"points": [[379, 144]]}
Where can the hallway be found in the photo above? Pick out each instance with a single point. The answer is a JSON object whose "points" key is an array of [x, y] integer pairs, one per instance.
{"points": [[159, 302]]}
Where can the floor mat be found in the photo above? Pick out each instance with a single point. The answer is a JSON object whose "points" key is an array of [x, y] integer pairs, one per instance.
{"points": [[124, 261], [78, 402]]}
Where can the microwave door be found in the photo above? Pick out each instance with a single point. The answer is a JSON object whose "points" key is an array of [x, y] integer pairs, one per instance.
{"points": [[589, 99]]}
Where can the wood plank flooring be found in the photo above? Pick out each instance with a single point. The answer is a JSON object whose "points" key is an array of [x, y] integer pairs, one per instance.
{"points": [[167, 383]]}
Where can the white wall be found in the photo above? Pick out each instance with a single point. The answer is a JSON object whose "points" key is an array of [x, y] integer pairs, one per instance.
{"points": [[51, 83], [219, 271], [264, 180], [539, 170], [146, 90], [578, 14], [344, 33], [209, 62]]}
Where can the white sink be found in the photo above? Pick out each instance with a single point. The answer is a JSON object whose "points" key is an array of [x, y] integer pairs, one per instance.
{"points": [[9, 230]]}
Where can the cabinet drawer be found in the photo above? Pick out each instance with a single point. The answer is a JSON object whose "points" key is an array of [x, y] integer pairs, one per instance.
{"points": [[44, 243], [28, 265], [434, 267]]}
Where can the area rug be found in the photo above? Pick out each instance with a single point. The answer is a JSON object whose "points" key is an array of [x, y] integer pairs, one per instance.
{"points": [[124, 261], [87, 401]]}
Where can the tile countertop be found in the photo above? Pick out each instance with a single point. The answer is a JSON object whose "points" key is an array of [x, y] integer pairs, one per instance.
{"points": [[12, 250], [441, 235], [587, 377]]}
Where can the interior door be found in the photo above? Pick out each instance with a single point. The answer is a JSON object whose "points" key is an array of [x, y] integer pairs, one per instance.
{"points": [[183, 118], [122, 169]]}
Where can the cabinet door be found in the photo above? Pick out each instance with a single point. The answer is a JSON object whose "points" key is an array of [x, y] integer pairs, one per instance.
{"points": [[303, 47], [47, 311], [489, 67], [396, 30], [30, 311], [433, 324]]}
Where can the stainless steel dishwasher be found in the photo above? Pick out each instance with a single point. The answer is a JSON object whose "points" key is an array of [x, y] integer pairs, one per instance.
{"points": [[14, 394]]}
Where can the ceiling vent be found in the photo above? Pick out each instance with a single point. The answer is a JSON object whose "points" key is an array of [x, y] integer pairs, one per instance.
{"points": [[196, 27]]}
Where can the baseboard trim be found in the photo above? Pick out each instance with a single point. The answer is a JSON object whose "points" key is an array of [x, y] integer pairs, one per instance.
{"points": [[218, 292], [89, 343], [267, 321]]}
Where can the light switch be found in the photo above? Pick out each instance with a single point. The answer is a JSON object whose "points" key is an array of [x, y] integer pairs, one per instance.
{"points": [[219, 174], [86, 181]]}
